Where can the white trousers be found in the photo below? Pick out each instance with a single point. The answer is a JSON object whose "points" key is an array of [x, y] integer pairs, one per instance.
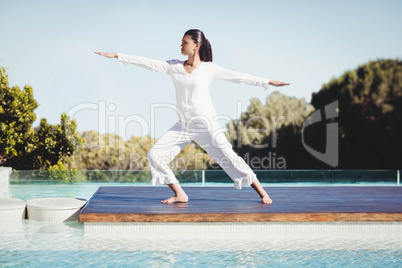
{"points": [[206, 133]]}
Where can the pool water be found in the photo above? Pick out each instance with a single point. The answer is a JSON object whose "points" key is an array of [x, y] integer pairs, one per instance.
{"points": [[41, 244], [44, 244]]}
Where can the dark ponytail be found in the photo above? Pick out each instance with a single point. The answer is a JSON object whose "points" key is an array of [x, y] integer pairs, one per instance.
{"points": [[205, 47]]}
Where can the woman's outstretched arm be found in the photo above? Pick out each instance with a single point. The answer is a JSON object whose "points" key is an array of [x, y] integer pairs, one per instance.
{"points": [[150, 64], [237, 77]]}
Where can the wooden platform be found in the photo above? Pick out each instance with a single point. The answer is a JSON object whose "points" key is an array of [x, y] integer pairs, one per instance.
{"points": [[227, 204]]}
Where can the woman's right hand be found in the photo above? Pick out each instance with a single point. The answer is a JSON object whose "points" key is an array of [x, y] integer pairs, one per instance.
{"points": [[108, 55]]}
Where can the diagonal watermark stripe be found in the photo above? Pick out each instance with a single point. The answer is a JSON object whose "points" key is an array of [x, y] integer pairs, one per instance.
{"points": [[330, 156]]}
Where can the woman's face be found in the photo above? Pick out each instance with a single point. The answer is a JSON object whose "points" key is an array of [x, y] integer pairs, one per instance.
{"points": [[188, 46]]}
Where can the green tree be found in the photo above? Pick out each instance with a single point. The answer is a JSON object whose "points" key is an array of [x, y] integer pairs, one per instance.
{"points": [[370, 114], [111, 152], [272, 130], [25, 147], [16, 117], [262, 121]]}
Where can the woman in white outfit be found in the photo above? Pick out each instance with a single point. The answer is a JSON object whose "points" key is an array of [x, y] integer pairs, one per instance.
{"points": [[197, 116]]}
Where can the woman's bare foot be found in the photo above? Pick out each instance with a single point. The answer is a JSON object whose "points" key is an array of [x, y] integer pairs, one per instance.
{"points": [[176, 199], [265, 199], [179, 197]]}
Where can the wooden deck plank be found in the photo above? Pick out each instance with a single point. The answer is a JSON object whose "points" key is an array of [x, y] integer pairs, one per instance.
{"points": [[227, 204]]}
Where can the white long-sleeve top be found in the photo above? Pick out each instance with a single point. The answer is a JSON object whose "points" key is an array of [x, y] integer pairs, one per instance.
{"points": [[192, 89]]}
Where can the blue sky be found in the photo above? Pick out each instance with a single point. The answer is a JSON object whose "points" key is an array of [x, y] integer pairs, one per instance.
{"points": [[50, 45]]}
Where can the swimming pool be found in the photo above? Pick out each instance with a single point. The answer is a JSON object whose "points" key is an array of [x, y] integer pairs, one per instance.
{"points": [[37, 244]]}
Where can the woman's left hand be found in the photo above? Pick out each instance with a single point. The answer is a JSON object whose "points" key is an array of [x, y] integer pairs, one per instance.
{"points": [[278, 83]]}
